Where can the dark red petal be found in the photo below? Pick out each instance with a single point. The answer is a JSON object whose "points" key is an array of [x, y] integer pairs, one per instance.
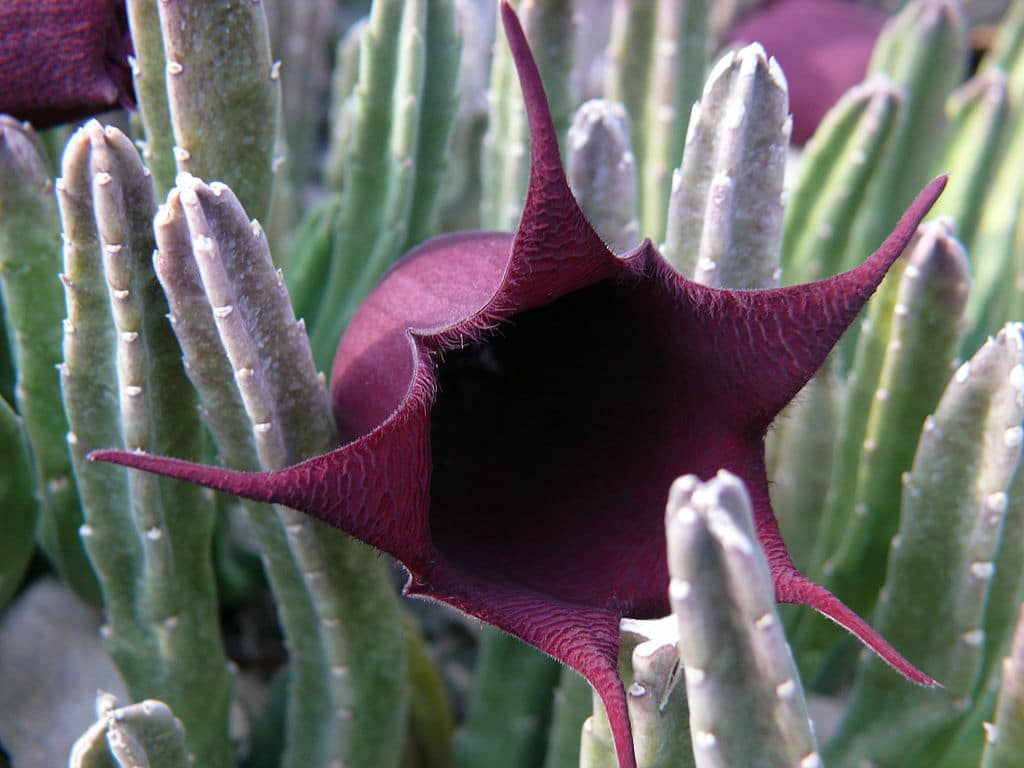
{"points": [[63, 59], [374, 488], [585, 639], [792, 587], [556, 251], [768, 343], [513, 408]]}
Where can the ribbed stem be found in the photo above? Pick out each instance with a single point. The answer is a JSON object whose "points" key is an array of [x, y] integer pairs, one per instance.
{"points": [[147, 733], [20, 508], [942, 562], [32, 301], [225, 132], [725, 213], [746, 701], [602, 172]]}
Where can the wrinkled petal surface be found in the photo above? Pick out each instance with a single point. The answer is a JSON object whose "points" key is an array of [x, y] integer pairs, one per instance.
{"points": [[61, 60], [513, 409]]}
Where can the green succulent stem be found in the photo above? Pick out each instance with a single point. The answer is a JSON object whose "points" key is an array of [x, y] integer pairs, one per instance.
{"points": [[512, 701], [149, 75], [29, 260], [20, 509], [725, 214], [356, 615], [223, 92], [602, 173], [549, 27], [838, 165], [1005, 736], [925, 331], [146, 733], [159, 591], [943, 560], [745, 698], [403, 105]]}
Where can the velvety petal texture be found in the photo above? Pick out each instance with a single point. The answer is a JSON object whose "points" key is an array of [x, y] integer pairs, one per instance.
{"points": [[61, 60], [514, 408]]}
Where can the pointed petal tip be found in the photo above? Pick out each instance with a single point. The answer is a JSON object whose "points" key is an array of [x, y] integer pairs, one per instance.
{"points": [[111, 456], [792, 587], [510, 21], [871, 272], [938, 184], [250, 485]]}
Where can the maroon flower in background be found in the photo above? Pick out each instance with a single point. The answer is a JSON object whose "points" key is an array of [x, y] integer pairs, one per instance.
{"points": [[61, 60], [823, 46], [514, 408]]}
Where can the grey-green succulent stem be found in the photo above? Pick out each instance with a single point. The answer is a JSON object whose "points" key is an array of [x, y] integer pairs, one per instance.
{"points": [[942, 561], [504, 162], [403, 164], [656, 695], [725, 213], [309, 712], [224, 95], [979, 117], [150, 80], [679, 58], [1007, 589], [400, 169], [994, 244], [814, 636], [173, 521], [252, 316], [952, 747], [301, 34], [549, 28], [964, 743], [461, 191], [439, 105], [32, 301], [927, 320], [344, 78], [745, 697], [383, 163], [924, 50], [90, 394], [597, 749], [573, 704], [628, 71], [801, 448], [860, 387], [602, 172], [1007, 49], [284, 397], [312, 248], [19, 508], [143, 734], [1005, 736], [512, 700], [429, 733], [839, 162]]}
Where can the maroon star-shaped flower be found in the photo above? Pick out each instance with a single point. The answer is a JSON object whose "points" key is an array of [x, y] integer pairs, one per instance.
{"points": [[514, 408], [61, 60]]}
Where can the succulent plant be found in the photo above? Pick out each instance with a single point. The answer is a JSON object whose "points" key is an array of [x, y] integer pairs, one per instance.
{"points": [[508, 412], [484, 345]]}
